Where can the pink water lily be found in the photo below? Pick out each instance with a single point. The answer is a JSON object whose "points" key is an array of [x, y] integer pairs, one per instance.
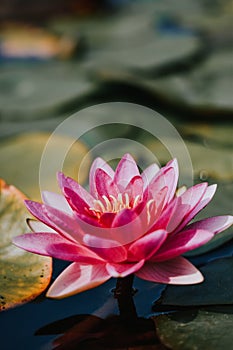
{"points": [[128, 223]]}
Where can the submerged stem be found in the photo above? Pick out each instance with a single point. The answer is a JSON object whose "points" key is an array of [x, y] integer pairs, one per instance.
{"points": [[124, 294]]}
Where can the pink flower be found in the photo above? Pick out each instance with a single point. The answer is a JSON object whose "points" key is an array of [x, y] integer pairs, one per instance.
{"points": [[128, 223]]}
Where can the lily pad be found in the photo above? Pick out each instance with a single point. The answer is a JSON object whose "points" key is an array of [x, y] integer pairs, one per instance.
{"points": [[212, 135], [23, 275], [216, 288], [209, 85], [20, 158], [224, 251], [208, 163], [191, 330], [35, 92], [146, 55]]}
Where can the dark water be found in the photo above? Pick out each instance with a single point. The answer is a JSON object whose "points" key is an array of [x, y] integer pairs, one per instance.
{"points": [[19, 325]]}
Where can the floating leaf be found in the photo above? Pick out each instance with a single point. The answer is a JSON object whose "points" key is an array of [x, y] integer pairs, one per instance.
{"points": [[208, 163], [224, 251], [190, 330], [20, 161], [192, 88], [23, 275], [211, 135], [30, 92], [216, 289]]}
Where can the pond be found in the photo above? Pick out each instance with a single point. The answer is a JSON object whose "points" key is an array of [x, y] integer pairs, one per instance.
{"points": [[147, 78]]}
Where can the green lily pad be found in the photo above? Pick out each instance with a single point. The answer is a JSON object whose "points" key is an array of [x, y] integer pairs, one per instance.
{"points": [[34, 92], [22, 167], [23, 275], [208, 163], [192, 88], [212, 135], [217, 287], [192, 330]]}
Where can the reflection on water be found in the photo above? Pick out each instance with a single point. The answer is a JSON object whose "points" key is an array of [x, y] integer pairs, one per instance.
{"points": [[30, 323]]}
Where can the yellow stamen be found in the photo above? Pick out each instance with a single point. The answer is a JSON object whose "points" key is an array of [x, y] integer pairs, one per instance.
{"points": [[120, 199], [136, 200], [149, 209], [127, 200], [112, 204], [108, 203], [97, 203]]}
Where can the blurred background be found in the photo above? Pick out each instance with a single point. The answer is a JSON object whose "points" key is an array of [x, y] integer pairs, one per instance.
{"points": [[59, 57]]}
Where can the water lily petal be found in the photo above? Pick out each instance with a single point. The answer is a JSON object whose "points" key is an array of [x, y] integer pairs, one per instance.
{"points": [[147, 246], [149, 173], [150, 211], [66, 182], [156, 211], [125, 171], [166, 215], [180, 243], [37, 242], [160, 201], [37, 210], [214, 224], [91, 225], [174, 271], [124, 217], [173, 180], [173, 216], [87, 223], [174, 164], [53, 245], [38, 226], [123, 270], [204, 200], [105, 185], [62, 223], [109, 250], [70, 252], [106, 219], [166, 177], [65, 224], [77, 203], [134, 189], [140, 211], [77, 278], [57, 201], [98, 163], [126, 227], [208, 195]]}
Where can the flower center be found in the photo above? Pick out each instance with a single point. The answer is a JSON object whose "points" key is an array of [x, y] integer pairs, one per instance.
{"points": [[114, 204]]}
